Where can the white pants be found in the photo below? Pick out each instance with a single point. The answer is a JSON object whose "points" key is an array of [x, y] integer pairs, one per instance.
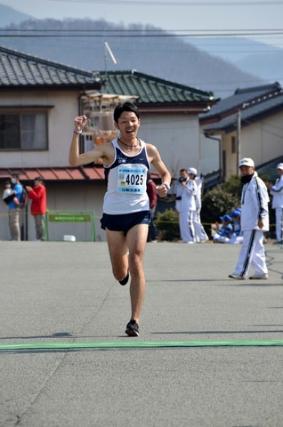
{"points": [[279, 224], [200, 234], [186, 224], [251, 254]]}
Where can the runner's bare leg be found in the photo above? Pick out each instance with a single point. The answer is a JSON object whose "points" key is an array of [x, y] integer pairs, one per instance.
{"points": [[136, 239], [127, 254], [119, 253]]}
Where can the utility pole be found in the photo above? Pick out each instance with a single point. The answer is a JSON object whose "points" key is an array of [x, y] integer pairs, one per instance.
{"points": [[239, 117]]}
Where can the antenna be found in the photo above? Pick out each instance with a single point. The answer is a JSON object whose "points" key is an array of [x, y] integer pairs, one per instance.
{"points": [[110, 53]]}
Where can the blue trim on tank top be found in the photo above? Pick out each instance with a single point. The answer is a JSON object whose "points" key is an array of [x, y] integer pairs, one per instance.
{"points": [[140, 158]]}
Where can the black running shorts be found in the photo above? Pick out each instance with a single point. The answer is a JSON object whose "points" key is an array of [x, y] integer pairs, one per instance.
{"points": [[124, 222]]}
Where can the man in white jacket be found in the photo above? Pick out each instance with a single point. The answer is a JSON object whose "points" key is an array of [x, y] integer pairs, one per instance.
{"points": [[276, 191], [254, 221], [200, 234], [187, 208]]}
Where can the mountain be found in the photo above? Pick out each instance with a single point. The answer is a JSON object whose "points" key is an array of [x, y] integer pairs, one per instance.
{"points": [[267, 65], [251, 56], [8, 16], [166, 56]]}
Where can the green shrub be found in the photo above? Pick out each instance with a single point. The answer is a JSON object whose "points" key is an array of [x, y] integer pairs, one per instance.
{"points": [[221, 199], [233, 186], [167, 223]]}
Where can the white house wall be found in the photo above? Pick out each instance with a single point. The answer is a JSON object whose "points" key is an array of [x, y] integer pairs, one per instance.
{"points": [[60, 127], [175, 136]]}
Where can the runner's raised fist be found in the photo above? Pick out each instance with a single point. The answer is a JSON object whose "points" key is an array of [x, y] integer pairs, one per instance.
{"points": [[80, 122]]}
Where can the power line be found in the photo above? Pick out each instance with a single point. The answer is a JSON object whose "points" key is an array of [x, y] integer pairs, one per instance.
{"points": [[144, 30], [179, 3], [102, 33]]}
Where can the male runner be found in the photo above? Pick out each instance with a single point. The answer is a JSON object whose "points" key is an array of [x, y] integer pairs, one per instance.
{"points": [[126, 214]]}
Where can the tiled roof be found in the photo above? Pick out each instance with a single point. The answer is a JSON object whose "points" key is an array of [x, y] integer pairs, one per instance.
{"points": [[240, 97], [21, 70], [249, 114], [152, 90], [55, 174]]}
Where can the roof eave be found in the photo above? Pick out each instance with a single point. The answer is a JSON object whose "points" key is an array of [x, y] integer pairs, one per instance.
{"points": [[190, 107], [81, 86]]}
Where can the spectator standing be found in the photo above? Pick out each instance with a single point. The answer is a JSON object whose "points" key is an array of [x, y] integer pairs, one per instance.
{"points": [[153, 199], [179, 189], [37, 195], [200, 234], [276, 191], [254, 221], [187, 208], [15, 206]]}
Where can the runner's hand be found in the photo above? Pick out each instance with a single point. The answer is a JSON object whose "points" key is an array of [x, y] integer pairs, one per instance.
{"points": [[162, 190], [260, 223], [80, 122]]}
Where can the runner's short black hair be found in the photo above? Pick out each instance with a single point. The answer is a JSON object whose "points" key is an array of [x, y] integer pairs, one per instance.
{"points": [[126, 106]]}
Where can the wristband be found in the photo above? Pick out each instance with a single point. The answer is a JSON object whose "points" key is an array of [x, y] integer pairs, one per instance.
{"points": [[78, 132]]}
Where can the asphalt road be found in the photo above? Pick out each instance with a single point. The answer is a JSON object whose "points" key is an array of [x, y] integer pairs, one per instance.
{"points": [[64, 292]]}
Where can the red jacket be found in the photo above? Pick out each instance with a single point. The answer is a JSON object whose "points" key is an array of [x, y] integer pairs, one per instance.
{"points": [[38, 200]]}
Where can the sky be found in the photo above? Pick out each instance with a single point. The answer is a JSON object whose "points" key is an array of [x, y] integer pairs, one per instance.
{"points": [[167, 14]]}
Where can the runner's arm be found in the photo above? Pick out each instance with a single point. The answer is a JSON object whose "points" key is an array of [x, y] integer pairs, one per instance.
{"points": [[75, 157], [161, 168]]}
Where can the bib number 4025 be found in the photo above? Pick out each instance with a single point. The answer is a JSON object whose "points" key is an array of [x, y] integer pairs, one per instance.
{"points": [[132, 179]]}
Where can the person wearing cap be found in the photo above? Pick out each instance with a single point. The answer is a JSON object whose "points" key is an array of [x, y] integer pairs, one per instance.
{"points": [[276, 191], [254, 221], [187, 207], [237, 236], [200, 234], [223, 235]]}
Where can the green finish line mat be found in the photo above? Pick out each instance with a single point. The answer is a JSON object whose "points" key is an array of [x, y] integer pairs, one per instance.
{"points": [[134, 343]]}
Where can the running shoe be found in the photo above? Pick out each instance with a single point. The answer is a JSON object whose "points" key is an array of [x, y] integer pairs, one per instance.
{"points": [[132, 329], [124, 281]]}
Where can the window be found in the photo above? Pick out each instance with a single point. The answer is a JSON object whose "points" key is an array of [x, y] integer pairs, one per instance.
{"points": [[23, 131]]}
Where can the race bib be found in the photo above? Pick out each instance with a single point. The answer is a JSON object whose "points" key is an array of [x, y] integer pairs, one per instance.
{"points": [[132, 178]]}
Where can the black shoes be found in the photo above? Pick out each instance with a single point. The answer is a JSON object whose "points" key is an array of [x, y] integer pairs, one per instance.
{"points": [[124, 281], [132, 329]]}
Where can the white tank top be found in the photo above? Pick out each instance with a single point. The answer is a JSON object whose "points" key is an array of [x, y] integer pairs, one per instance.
{"points": [[126, 187]]}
